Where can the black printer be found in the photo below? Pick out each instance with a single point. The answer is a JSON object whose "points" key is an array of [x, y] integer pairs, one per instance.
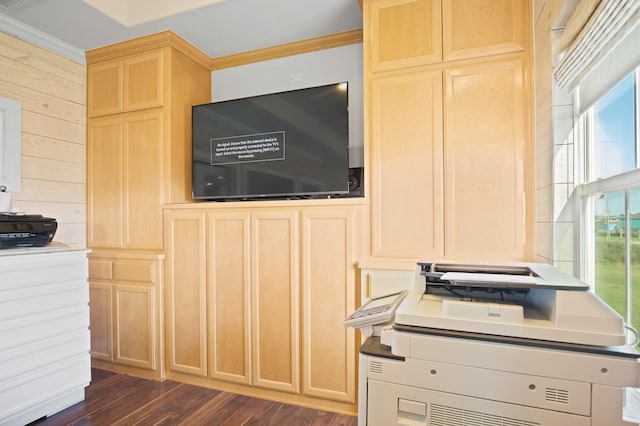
{"points": [[26, 230]]}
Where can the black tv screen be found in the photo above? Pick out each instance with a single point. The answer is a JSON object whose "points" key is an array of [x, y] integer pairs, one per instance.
{"points": [[290, 144]]}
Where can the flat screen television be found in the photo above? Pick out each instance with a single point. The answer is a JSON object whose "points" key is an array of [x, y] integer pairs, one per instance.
{"points": [[292, 144]]}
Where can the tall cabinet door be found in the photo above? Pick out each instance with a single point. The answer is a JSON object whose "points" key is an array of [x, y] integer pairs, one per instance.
{"points": [[406, 155], [275, 300], [328, 296], [185, 286], [143, 136], [228, 265], [485, 153], [104, 180]]}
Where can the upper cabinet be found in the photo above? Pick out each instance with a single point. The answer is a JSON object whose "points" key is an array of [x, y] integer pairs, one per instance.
{"points": [[406, 33], [475, 28], [122, 85], [403, 33]]}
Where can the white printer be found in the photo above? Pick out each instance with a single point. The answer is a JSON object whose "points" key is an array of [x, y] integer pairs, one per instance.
{"points": [[488, 345]]}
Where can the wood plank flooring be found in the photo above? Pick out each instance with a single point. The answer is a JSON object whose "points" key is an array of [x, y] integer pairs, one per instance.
{"points": [[118, 399]]}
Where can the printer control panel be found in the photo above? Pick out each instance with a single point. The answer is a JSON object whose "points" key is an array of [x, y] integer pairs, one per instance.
{"points": [[377, 311]]}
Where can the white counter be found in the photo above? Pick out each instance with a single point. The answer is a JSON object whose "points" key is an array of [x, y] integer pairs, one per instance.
{"points": [[44, 331]]}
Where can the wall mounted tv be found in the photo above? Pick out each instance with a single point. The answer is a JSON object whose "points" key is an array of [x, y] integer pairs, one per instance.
{"points": [[291, 144]]}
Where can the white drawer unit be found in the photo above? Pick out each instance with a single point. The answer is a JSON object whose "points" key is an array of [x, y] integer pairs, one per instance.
{"points": [[44, 332]]}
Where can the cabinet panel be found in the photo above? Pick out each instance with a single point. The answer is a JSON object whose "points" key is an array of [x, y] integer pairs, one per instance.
{"points": [[136, 271], [143, 137], [104, 182], [101, 320], [143, 81], [275, 283], [104, 88], [485, 166], [483, 27], [228, 258], [126, 311], [185, 283], [124, 163], [101, 269], [328, 295], [135, 332], [122, 85], [406, 151], [403, 33], [378, 282]]}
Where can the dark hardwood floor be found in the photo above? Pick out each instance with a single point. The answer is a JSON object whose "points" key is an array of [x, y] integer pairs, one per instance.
{"points": [[119, 399]]}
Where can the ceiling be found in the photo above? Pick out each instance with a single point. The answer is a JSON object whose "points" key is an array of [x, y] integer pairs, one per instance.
{"points": [[221, 28]]}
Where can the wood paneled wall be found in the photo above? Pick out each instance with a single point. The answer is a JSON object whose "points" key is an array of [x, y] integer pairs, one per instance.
{"points": [[51, 89], [544, 130]]}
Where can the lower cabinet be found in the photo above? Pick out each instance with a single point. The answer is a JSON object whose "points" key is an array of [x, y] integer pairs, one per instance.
{"points": [[255, 297], [126, 304], [44, 332]]}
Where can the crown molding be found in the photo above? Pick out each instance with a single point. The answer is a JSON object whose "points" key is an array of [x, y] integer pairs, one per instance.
{"points": [[144, 44], [288, 49], [39, 38]]}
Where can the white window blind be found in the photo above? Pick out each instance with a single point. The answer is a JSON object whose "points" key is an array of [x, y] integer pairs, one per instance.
{"points": [[603, 45]]}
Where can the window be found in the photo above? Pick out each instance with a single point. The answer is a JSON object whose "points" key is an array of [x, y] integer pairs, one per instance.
{"points": [[613, 135], [611, 199], [10, 144]]}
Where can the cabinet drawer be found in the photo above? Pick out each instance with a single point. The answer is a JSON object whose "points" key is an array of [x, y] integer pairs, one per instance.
{"points": [[137, 271], [101, 269], [141, 271]]}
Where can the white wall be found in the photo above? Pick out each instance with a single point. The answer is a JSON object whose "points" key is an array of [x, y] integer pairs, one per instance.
{"points": [[299, 71]]}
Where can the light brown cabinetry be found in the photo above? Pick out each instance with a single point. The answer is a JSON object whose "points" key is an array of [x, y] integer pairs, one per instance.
{"points": [[406, 157], [125, 300], [486, 151], [403, 33], [275, 305], [448, 134], [124, 172], [328, 293], [229, 242], [476, 28], [139, 98], [235, 281], [241, 297], [122, 85], [186, 281]]}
